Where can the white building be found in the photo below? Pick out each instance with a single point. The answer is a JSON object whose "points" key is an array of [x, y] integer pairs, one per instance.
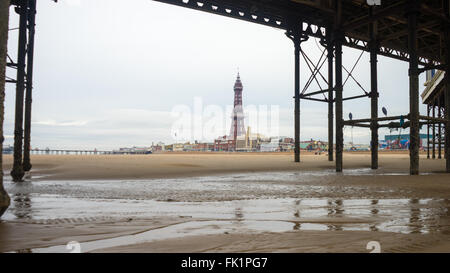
{"points": [[272, 146]]}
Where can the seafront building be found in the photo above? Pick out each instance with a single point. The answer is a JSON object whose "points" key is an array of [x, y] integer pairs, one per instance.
{"points": [[272, 146], [133, 150], [249, 142], [401, 142]]}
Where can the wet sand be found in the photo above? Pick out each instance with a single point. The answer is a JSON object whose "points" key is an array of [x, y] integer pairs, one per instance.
{"points": [[169, 165], [212, 202]]}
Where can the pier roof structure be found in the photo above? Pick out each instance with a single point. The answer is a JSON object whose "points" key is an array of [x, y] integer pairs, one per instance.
{"points": [[391, 17]]}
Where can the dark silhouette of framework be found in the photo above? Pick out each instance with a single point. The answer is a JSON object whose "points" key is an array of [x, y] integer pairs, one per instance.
{"points": [[26, 9], [410, 30]]}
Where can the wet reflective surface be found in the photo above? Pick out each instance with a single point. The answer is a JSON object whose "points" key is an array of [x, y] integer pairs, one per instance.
{"points": [[217, 205], [208, 188]]}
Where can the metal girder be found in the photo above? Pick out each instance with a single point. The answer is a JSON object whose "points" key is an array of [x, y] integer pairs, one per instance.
{"points": [[313, 99], [243, 10], [367, 19], [315, 93], [404, 32], [316, 17], [356, 97]]}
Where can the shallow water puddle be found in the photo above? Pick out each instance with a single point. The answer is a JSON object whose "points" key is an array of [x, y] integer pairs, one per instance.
{"points": [[175, 231], [267, 185]]}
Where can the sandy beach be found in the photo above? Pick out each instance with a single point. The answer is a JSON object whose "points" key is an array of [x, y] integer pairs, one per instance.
{"points": [[216, 202], [168, 165]]}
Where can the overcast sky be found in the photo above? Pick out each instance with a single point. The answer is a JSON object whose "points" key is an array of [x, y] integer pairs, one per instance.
{"points": [[109, 74]]}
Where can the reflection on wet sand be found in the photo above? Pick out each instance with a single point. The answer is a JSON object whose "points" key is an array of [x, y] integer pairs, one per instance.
{"points": [[392, 215], [374, 211], [238, 213], [21, 206], [68, 202]]}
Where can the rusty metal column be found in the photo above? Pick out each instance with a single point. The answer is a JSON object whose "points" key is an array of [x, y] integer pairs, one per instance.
{"points": [[330, 56], [428, 131], [374, 92], [413, 88], [17, 172], [433, 155], [338, 40], [4, 19], [29, 86]]}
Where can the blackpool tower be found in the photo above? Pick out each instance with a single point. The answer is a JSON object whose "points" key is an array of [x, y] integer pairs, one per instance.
{"points": [[237, 122]]}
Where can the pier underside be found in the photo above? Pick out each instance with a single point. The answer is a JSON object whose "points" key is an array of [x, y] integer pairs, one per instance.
{"points": [[409, 30]]}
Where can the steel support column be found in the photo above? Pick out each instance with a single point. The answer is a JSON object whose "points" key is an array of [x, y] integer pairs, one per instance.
{"points": [[439, 129], [17, 172], [330, 56], [428, 132], [297, 98], [413, 87], [338, 41], [374, 92], [4, 19], [29, 87], [447, 91], [433, 155], [447, 109], [339, 103], [297, 36]]}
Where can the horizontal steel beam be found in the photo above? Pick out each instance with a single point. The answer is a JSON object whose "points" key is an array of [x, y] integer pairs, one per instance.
{"points": [[356, 97], [438, 120], [315, 93], [313, 99], [375, 119]]}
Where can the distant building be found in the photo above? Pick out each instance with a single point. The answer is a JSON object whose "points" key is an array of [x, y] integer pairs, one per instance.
{"points": [[272, 146], [178, 147], [224, 144], [356, 147], [394, 142], [168, 148], [133, 150], [313, 145], [188, 147], [8, 149], [203, 147], [248, 142], [286, 144], [287, 140], [159, 147]]}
